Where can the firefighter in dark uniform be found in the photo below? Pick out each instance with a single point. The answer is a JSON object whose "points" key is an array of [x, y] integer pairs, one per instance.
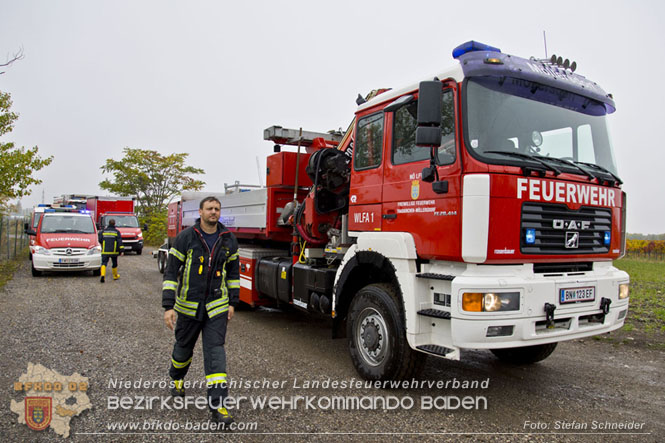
{"points": [[205, 299], [111, 242]]}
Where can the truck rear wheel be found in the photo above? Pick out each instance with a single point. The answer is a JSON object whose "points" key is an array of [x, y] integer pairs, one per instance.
{"points": [[161, 261], [377, 337], [525, 355]]}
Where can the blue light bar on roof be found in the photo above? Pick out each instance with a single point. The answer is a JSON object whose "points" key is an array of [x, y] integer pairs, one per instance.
{"points": [[471, 46]]}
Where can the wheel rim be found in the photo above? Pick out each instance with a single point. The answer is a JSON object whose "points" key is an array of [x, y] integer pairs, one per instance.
{"points": [[372, 336]]}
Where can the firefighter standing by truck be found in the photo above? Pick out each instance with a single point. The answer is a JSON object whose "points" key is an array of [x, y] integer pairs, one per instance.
{"points": [[205, 299], [111, 241]]}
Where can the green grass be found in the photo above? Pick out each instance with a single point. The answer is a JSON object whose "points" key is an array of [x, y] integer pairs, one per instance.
{"points": [[8, 267], [647, 296]]}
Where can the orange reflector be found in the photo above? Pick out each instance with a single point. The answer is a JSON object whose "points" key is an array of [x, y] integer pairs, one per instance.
{"points": [[472, 302], [493, 61]]}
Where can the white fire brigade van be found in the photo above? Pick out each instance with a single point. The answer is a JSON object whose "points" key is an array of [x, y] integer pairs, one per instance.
{"points": [[65, 241]]}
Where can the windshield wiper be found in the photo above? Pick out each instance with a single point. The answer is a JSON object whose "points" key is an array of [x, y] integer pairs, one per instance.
{"points": [[600, 168], [527, 157], [585, 171]]}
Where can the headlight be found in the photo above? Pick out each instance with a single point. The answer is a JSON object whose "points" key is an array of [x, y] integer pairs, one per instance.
{"points": [[140, 235], [623, 290], [95, 250], [41, 251], [490, 301]]}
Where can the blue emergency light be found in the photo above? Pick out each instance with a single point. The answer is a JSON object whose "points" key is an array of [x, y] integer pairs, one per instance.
{"points": [[530, 236], [607, 238], [472, 46]]}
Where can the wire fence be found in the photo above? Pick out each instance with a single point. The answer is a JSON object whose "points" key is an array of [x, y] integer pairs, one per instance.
{"points": [[13, 239]]}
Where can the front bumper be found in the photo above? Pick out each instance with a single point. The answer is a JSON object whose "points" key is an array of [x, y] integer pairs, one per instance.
{"points": [[132, 245], [529, 324], [57, 263]]}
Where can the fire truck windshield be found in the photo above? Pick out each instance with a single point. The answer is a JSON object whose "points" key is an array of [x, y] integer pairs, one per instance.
{"points": [[122, 221], [516, 116]]}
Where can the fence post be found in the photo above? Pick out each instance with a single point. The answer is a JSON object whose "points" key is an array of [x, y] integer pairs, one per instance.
{"points": [[15, 235], [2, 219], [8, 244]]}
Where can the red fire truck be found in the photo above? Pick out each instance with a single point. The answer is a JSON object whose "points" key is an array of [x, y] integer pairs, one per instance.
{"points": [[478, 209], [121, 209]]}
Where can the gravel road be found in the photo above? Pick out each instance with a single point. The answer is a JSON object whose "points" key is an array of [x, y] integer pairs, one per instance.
{"points": [[114, 333]]}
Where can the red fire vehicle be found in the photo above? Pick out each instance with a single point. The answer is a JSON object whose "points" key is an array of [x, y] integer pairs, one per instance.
{"points": [[63, 239], [121, 209], [479, 209]]}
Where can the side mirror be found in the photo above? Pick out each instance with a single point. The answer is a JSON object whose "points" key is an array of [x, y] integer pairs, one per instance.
{"points": [[430, 95], [30, 232], [429, 174], [99, 226], [25, 227]]}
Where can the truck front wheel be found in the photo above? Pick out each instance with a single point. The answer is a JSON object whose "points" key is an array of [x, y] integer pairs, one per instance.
{"points": [[525, 355], [377, 337], [139, 251]]}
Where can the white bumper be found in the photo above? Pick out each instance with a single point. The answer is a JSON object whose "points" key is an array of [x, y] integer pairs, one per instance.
{"points": [[58, 263], [528, 325]]}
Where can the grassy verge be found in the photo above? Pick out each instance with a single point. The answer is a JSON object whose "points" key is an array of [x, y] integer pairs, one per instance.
{"points": [[8, 267], [646, 316]]}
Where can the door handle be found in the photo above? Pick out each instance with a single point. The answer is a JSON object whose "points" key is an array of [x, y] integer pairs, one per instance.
{"points": [[389, 216]]}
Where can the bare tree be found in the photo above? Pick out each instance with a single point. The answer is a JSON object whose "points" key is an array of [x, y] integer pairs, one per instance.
{"points": [[18, 55]]}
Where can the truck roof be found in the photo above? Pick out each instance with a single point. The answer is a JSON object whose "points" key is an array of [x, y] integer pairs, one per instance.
{"points": [[455, 73]]}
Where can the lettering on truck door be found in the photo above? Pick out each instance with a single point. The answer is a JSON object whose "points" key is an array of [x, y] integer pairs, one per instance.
{"points": [[367, 177], [410, 205]]}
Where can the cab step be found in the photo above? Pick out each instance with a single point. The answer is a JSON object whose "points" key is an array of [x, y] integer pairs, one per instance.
{"points": [[435, 313], [433, 276], [434, 349]]}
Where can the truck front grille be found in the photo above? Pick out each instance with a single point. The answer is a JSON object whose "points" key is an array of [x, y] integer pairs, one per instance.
{"points": [[552, 223]]}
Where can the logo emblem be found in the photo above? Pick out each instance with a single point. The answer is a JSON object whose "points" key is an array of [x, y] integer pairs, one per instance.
{"points": [[572, 240], [38, 412], [69, 251], [415, 189]]}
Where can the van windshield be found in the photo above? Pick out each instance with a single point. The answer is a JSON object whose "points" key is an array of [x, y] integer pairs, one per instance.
{"points": [[63, 223]]}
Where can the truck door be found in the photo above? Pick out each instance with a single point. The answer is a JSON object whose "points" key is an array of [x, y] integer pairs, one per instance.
{"points": [[365, 193], [409, 204]]}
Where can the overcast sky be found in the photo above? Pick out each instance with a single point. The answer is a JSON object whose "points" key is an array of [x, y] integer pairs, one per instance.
{"points": [[206, 77]]}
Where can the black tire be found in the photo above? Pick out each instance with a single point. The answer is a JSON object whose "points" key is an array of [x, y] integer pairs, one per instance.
{"points": [[377, 336], [96, 272], [139, 251], [35, 272], [161, 261], [524, 355]]}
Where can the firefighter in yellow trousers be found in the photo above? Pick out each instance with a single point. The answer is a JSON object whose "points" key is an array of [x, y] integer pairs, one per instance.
{"points": [[111, 242]]}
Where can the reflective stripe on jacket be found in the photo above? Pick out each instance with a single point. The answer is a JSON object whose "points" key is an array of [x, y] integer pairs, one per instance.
{"points": [[111, 241], [208, 279]]}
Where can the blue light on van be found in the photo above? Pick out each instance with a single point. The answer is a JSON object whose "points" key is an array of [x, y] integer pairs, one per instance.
{"points": [[530, 236], [607, 238], [472, 46]]}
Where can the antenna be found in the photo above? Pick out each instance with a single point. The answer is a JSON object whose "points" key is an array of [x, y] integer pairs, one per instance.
{"points": [[258, 170], [545, 42]]}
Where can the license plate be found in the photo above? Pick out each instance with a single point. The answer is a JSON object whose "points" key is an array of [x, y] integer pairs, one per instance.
{"points": [[68, 260], [574, 295]]}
